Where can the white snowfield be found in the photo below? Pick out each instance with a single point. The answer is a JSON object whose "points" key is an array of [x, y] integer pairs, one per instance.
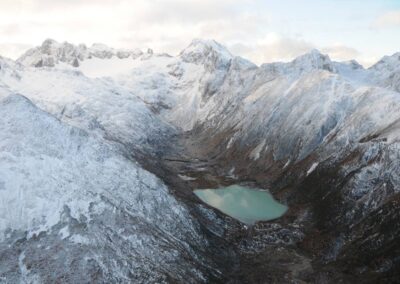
{"points": [[54, 176], [47, 165], [71, 118]]}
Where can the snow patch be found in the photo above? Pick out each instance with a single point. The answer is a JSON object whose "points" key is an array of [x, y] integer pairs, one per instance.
{"points": [[312, 168], [64, 233], [112, 67], [287, 164], [186, 178], [255, 153], [230, 142], [231, 173], [79, 239]]}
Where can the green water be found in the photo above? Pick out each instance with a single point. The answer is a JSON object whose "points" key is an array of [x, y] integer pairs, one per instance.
{"points": [[242, 203]]}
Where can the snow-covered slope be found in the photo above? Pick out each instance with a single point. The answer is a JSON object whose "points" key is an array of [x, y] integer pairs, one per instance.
{"points": [[71, 192], [97, 105], [291, 109], [386, 72], [76, 199], [288, 111], [297, 112], [182, 86]]}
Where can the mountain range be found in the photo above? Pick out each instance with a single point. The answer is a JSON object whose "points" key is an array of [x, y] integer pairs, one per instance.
{"points": [[101, 149]]}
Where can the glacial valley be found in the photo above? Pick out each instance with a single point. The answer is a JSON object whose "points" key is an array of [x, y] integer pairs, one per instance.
{"points": [[101, 151]]}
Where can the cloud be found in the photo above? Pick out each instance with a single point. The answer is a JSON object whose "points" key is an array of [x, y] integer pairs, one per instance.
{"points": [[246, 27], [341, 52], [163, 25], [272, 48], [275, 47], [181, 11], [388, 20], [13, 50]]}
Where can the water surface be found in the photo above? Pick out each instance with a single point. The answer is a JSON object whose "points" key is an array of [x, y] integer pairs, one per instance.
{"points": [[247, 205]]}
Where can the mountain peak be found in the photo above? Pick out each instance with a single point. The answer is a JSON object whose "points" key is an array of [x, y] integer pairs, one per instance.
{"points": [[313, 55], [49, 42], [208, 52], [201, 44], [388, 62], [314, 59]]}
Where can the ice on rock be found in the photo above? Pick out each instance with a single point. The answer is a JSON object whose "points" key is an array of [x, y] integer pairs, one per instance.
{"points": [[65, 185], [255, 154], [312, 168]]}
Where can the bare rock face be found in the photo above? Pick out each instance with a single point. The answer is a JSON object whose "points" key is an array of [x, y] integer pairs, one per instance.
{"points": [[75, 63]]}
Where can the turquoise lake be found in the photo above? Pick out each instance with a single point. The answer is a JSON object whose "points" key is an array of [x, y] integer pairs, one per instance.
{"points": [[247, 205]]}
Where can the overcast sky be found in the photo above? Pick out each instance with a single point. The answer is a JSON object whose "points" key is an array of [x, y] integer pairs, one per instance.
{"points": [[260, 30]]}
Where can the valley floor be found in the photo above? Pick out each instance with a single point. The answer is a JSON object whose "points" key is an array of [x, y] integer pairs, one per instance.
{"points": [[274, 251]]}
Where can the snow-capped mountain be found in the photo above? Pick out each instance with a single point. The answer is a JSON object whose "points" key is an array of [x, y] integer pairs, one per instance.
{"points": [[80, 123], [51, 53], [386, 72]]}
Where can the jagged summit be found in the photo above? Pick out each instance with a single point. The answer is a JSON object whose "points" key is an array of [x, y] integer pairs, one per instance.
{"points": [[313, 60], [388, 62], [386, 72], [208, 52], [202, 45], [52, 52], [200, 51]]}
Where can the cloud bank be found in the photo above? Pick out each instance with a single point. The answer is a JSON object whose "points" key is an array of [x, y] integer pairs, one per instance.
{"points": [[255, 29], [388, 20]]}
